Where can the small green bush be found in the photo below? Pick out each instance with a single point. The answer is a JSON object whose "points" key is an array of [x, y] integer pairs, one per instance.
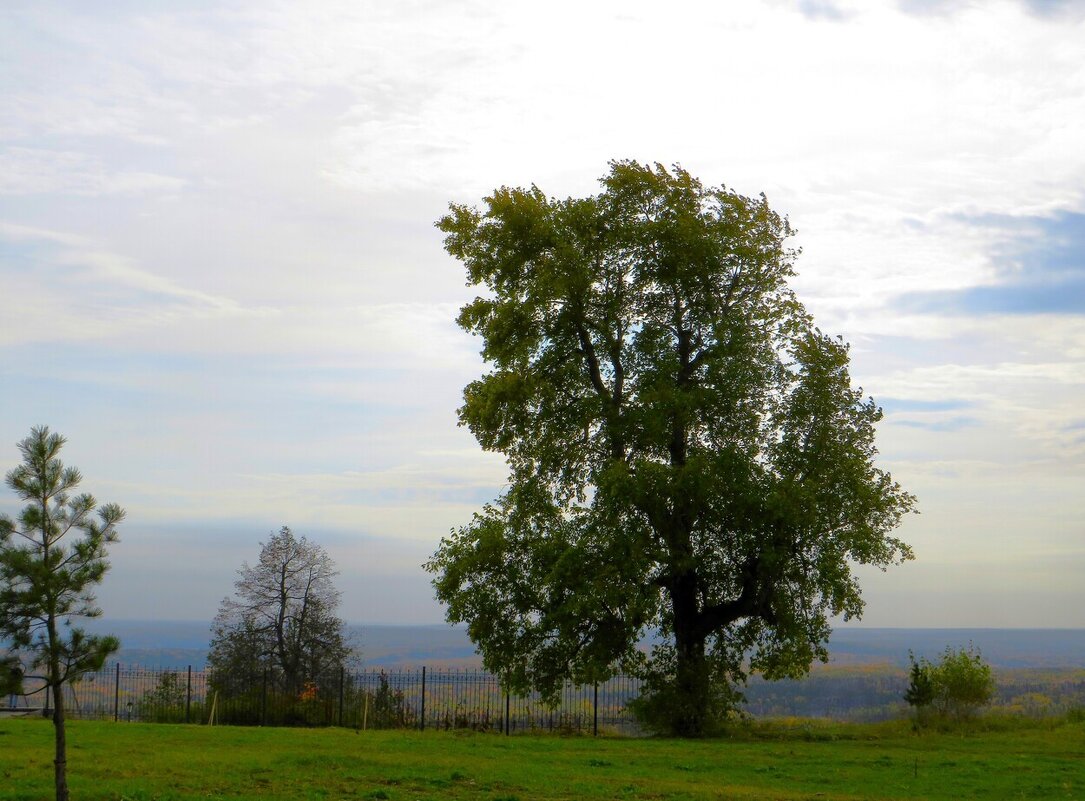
{"points": [[954, 687], [11, 676], [661, 709], [166, 702]]}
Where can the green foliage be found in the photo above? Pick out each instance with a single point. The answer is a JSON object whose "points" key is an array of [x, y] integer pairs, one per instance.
{"points": [[963, 682], [166, 702], [11, 675], [386, 708], [663, 708], [170, 690], [956, 686], [920, 692], [47, 574], [688, 456], [45, 579]]}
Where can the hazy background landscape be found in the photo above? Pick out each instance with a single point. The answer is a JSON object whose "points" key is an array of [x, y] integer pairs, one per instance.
{"points": [[1037, 671], [182, 643]]}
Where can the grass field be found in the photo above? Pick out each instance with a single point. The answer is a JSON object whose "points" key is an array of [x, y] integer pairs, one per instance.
{"points": [[820, 762]]}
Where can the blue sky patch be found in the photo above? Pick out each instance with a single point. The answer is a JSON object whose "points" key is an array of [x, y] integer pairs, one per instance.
{"points": [[896, 405], [822, 10], [946, 425], [1042, 8], [1041, 271]]}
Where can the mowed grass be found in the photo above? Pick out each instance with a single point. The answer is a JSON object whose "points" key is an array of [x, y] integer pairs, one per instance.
{"points": [[141, 762]]}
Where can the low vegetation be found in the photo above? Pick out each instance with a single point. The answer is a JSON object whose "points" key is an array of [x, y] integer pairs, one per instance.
{"points": [[991, 757], [956, 686]]}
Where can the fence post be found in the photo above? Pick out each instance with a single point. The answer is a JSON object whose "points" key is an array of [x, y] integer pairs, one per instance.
{"points": [[507, 708], [342, 675], [263, 701], [117, 694], [422, 726], [188, 697], [595, 711]]}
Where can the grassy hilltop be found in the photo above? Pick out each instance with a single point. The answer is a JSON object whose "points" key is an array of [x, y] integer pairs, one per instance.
{"points": [[820, 762]]}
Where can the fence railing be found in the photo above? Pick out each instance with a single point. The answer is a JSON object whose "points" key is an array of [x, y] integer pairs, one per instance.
{"points": [[369, 699]]}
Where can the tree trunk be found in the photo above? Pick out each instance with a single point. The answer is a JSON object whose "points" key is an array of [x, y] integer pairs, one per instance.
{"points": [[693, 684], [60, 764], [692, 688], [692, 680]]}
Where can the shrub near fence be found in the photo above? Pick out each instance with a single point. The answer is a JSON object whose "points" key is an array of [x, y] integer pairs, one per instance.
{"points": [[369, 699]]}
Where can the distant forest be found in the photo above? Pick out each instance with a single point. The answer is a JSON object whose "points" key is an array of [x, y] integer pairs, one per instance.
{"points": [[181, 643]]}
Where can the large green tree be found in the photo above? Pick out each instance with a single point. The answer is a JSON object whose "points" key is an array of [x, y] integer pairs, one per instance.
{"points": [[47, 576], [689, 459]]}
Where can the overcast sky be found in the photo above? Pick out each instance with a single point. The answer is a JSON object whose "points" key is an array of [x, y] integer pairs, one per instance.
{"points": [[221, 279]]}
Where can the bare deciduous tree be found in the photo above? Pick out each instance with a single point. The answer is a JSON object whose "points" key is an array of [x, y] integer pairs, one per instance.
{"points": [[282, 616]]}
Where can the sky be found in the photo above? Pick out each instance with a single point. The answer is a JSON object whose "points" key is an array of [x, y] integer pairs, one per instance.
{"points": [[222, 283]]}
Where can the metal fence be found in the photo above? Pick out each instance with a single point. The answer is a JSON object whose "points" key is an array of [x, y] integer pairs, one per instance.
{"points": [[370, 699]]}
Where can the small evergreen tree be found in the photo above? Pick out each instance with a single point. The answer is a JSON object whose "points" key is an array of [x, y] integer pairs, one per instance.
{"points": [[920, 692], [47, 576]]}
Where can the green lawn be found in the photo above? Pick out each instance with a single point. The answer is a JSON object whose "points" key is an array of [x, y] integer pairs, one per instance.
{"points": [[141, 762]]}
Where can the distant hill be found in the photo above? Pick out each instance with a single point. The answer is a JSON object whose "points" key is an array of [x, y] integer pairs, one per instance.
{"points": [[177, 644], [401, 646], [180, 643], [1008, 648]]}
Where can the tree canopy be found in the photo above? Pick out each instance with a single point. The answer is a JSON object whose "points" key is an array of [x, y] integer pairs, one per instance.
{"points": [[688, 457], [282, 618], [958, 684]]}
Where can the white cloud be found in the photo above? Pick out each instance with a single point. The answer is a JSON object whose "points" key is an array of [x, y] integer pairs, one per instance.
{"points": [[80, 290], [218, 228], [32, 171]]}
